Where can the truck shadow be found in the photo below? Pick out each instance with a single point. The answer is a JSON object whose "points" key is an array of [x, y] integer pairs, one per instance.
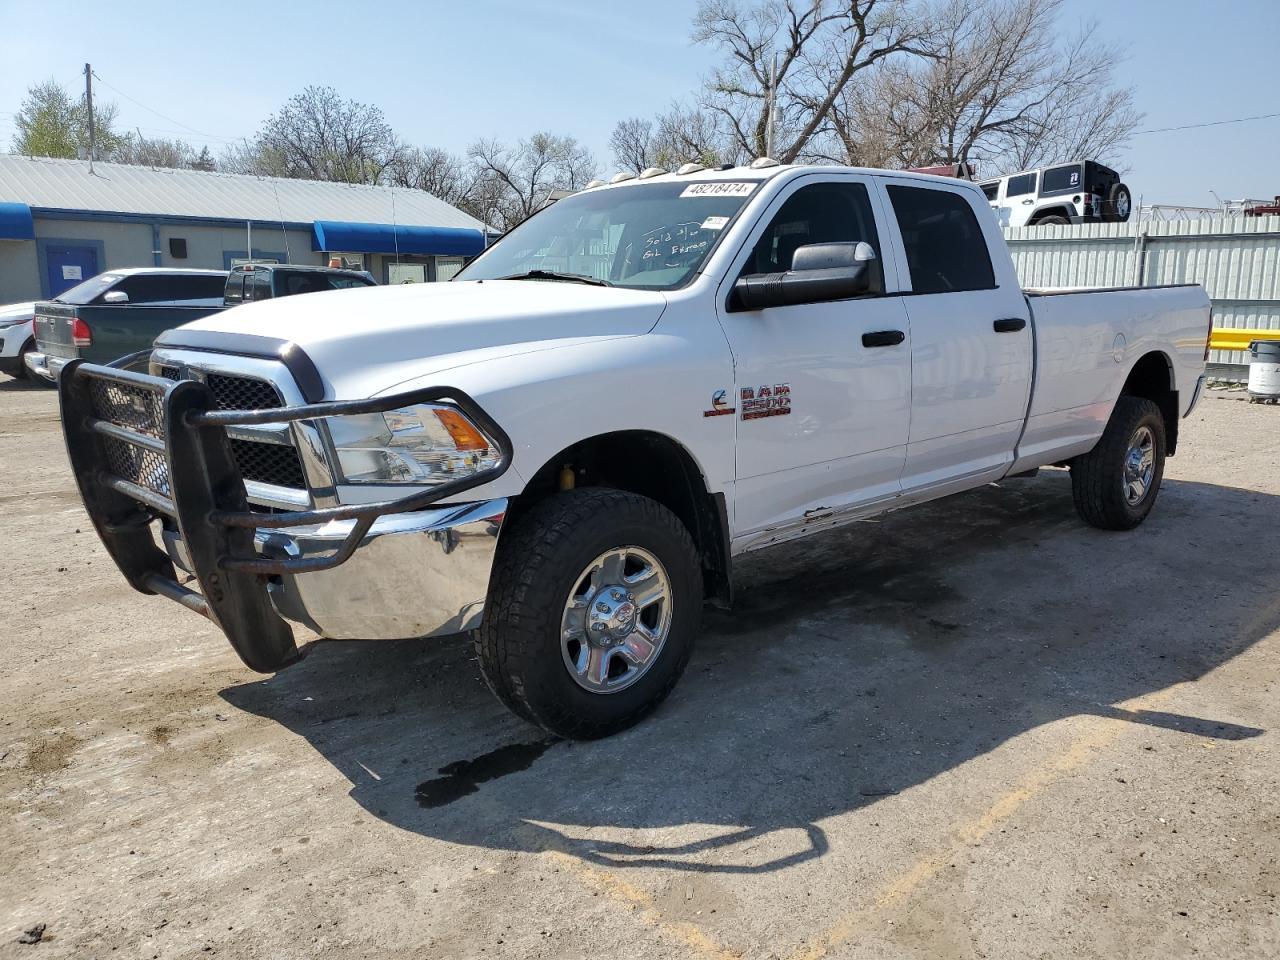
{"points": [[854, 666]]}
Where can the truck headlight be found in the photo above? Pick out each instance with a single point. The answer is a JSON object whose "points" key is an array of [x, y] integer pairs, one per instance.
{"points": [[427, 443]]}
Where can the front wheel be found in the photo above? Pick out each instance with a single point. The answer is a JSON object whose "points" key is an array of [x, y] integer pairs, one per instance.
{"points": [[1114, 485], [592, 612]]}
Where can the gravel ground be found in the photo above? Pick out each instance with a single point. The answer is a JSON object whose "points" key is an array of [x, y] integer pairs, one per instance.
{"points": [[973, 729]]}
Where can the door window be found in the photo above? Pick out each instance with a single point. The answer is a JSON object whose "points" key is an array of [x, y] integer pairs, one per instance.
{"points": [[819, 213], [946, 250]]}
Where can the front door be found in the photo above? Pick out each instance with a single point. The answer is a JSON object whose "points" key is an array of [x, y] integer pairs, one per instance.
{"points": [[68, 264], [971, 340], [823, 393]]}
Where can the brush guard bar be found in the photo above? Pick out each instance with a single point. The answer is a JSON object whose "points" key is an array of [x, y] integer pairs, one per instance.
{"points": [[172, 442]]}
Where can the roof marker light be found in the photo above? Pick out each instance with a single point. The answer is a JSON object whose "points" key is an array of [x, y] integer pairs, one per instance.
{"points": [[594, 183], [624, 175], [649, 172], [689, 168], [761, 163]]}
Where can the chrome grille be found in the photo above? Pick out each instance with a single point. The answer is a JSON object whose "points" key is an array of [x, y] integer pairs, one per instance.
{"points": [[143, 410]]}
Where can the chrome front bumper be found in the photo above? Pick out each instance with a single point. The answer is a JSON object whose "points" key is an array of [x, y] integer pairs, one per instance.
{"points": [[413, 575]]}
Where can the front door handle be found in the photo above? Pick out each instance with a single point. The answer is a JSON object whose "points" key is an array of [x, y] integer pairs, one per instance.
{"points": [[883, 338], [1010, 325]]}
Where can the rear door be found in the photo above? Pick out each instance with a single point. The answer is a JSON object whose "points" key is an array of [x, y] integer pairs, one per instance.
{"points": [[822, 398], [971, 338]]}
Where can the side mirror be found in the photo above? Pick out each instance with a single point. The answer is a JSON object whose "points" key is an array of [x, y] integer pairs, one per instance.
{"points": [[115, 296], [820, 272]]}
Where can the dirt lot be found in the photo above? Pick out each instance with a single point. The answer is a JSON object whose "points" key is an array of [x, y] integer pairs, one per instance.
{"points": [[975, 729]]}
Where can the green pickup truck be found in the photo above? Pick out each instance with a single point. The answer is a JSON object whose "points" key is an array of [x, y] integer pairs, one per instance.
{"points": [[121, 312]]}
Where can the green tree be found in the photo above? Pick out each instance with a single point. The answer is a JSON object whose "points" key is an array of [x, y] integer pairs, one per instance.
{"points": [[53, 123]]}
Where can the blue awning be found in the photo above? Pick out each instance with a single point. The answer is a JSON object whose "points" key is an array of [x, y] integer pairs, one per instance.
{"points": [[336, 237], [16, 222]]}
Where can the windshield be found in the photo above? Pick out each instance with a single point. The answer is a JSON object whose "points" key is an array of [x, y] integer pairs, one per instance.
{"points": [[84, 293], [647, 236]]}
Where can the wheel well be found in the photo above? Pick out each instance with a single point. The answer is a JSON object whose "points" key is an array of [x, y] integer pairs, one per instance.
{"points": [[652, 465], [1152, 379], [1050, 212]]}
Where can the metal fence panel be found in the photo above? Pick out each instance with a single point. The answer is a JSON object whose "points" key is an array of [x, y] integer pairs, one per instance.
{"points": [[1236, 260]]}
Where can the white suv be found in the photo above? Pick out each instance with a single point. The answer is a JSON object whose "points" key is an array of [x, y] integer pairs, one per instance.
{"points": [[17, 336], [1078, 192]]}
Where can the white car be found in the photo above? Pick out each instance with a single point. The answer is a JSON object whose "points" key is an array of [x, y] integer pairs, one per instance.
{"points": [[17, 337], [565, 448], [1082, 191]]}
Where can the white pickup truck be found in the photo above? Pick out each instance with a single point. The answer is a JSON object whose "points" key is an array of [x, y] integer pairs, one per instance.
{"points": [[565, 448]]}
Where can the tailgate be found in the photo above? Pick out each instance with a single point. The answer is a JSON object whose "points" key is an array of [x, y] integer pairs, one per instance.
{"points": [[53, 329]]}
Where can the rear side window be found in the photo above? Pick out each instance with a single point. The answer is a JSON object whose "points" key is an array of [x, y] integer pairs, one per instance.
{"points": [[946, 250], [991, 190], [235, 288], [1061, 179], [161, 288], [1021, 185], [261, 285]]}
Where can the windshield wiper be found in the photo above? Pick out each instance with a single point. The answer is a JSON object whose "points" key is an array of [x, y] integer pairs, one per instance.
{"points": [[552, 275]]}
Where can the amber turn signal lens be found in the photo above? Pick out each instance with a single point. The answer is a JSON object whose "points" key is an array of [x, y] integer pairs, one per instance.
{"points": [[465, 436]]}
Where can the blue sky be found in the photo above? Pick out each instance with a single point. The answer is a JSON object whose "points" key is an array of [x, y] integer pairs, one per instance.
{"points": [[448, 73]]}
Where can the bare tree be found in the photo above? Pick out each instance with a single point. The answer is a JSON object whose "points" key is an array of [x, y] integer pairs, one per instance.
{"points": [[674, 138], [996, 88], [517, 181], [143, 151], [821, 47], [440, 173], [633, 144], [317, 135]]}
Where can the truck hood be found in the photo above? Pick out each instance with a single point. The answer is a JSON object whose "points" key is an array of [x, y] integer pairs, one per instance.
{"points": [[366, 340]]}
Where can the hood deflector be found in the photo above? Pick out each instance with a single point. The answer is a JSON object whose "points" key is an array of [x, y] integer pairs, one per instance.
{"points": [[295, 359]]}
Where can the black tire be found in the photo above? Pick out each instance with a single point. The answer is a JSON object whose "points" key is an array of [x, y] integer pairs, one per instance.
{"points": [[539, 563], [23, 372], [1053, 218], [1118, 206], [1098, 478]]}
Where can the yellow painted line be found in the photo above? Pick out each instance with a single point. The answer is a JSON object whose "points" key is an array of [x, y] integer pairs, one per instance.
{"points": [[694, 938], [1079, 753], [1235, 338], [696, 941]]}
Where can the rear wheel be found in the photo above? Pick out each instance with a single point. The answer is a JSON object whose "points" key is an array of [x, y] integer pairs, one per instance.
{"points": [[1114, 485], [1052, 219], [592, 613]]}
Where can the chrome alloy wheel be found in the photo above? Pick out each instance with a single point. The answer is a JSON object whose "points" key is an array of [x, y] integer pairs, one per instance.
{"points": [[1122, 206], [1139, 465], [616, 619]]}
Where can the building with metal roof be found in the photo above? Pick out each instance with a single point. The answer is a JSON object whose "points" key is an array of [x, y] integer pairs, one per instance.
{"points": [[65, 220]]}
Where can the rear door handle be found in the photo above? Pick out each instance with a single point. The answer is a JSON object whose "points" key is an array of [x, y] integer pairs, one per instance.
{"points": [[1010, 325], [883, 338]]}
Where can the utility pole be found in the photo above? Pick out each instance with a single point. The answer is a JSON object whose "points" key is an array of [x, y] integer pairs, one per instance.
{"points": [[88, 99]]}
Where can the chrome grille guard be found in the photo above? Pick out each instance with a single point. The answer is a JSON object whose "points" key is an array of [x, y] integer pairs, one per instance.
{"points": [[202, 492]]}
